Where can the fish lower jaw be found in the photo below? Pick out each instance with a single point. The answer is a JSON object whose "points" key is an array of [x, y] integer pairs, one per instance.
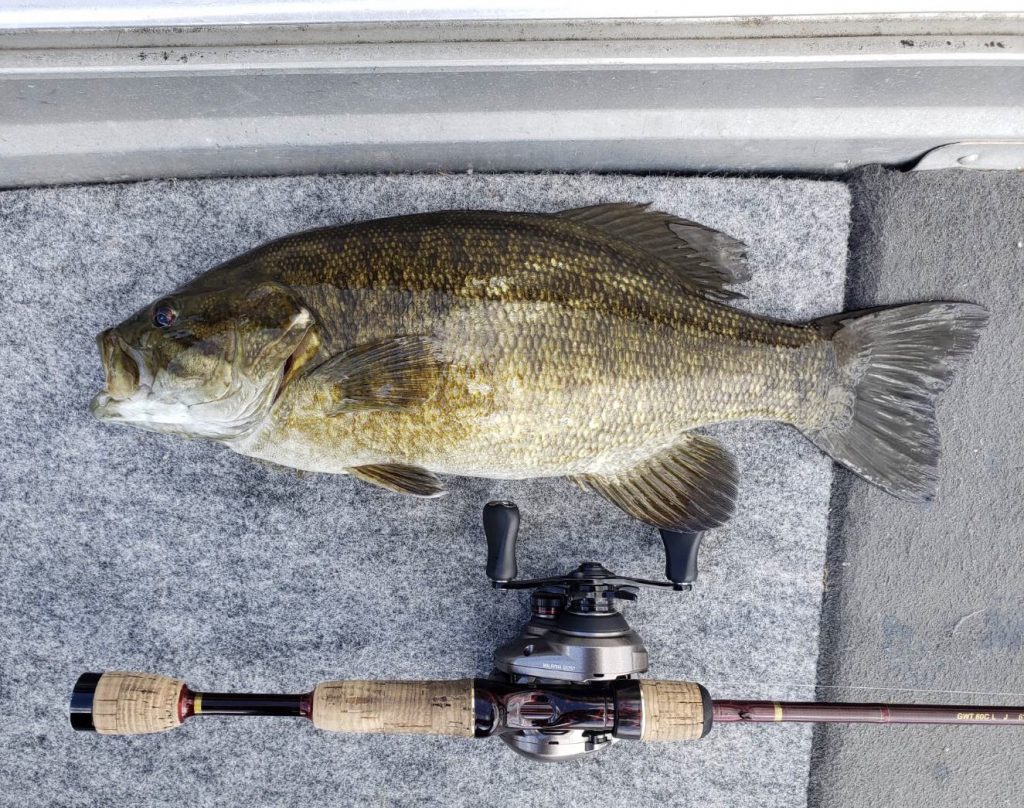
{"points": [[107, 407], [138, 411], [143, 411]]}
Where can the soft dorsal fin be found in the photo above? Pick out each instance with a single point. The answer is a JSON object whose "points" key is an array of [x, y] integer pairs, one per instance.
{"points": [[705, 260], [689, 487], [386, 375]]}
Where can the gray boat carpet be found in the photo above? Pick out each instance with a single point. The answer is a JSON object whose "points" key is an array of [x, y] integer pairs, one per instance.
{"points": [[929, 597], [133, 551]]}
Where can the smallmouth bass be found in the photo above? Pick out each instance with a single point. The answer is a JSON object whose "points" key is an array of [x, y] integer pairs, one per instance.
{"points": [[586, 344]]}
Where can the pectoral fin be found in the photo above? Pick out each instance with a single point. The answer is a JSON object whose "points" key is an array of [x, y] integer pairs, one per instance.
{"points": [[403, 479], [389, 374], [689, 487]]}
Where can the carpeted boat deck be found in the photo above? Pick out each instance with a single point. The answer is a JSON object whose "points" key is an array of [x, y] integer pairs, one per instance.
{"points": [[126, 550]]}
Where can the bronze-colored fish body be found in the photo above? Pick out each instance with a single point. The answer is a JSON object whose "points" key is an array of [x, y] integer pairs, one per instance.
{"points": [[585, 344], [552, 351]]}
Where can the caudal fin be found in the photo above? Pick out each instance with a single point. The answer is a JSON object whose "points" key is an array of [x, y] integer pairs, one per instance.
{"points": [[892, 365]]}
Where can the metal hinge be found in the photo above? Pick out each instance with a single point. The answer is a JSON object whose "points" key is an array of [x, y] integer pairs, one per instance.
{"points": [[987, 155]]}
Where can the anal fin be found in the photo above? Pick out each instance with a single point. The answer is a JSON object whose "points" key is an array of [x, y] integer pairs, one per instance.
{"points": [[688, 487], [403, 479]]}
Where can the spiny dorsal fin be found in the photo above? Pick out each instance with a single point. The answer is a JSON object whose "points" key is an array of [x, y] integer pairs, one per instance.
{"points": [[705, 260], [688, 487], [403, 479], [388, 374]]}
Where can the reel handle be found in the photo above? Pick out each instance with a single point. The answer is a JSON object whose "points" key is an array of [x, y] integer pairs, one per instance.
{"points": [[501, 527]]}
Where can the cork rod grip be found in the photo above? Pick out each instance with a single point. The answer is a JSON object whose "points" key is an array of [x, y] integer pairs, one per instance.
{"points": [[135, 703], [434, 708], [674, 711]]}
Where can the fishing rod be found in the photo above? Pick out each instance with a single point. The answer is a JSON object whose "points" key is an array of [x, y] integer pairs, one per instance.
{"points": [[117, 703], [565, 687]]}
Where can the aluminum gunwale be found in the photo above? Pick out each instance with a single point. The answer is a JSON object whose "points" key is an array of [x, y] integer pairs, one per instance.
{"points": [[817, 94]]}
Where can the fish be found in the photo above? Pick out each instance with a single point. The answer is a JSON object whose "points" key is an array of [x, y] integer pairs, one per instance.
{"points": [[592, 344]]}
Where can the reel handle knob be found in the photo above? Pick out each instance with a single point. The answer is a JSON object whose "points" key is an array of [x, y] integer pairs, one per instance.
{"points": [[681, 556], [501, 526]]}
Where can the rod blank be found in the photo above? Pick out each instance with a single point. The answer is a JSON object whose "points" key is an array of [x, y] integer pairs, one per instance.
{"points": [[816, 712]]}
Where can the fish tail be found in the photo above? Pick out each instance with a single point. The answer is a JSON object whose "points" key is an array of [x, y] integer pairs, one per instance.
{"points": [[892, 363]]}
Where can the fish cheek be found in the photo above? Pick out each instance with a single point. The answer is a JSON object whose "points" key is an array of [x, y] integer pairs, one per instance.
{"points": [[204, 370]]}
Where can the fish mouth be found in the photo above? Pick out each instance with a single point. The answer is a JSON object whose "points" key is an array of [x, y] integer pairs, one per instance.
{"points": [[122, 368]]}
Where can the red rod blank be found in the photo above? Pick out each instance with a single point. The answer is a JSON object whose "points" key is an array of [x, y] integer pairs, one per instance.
{"points": [[838, 713]]}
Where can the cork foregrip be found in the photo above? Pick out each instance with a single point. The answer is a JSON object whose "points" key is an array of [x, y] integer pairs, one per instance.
{"points": [[435, 708], [673, 711], [135, 703]]}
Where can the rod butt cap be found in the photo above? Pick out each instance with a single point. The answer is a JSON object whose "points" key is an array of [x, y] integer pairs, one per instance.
{"points": [[81, 702]]}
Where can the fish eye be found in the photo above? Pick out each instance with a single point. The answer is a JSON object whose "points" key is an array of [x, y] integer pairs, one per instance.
{"points": [[164, 315]]}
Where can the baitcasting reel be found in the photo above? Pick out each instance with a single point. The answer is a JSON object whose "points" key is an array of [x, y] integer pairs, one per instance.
{"points": [[576, 633]]}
